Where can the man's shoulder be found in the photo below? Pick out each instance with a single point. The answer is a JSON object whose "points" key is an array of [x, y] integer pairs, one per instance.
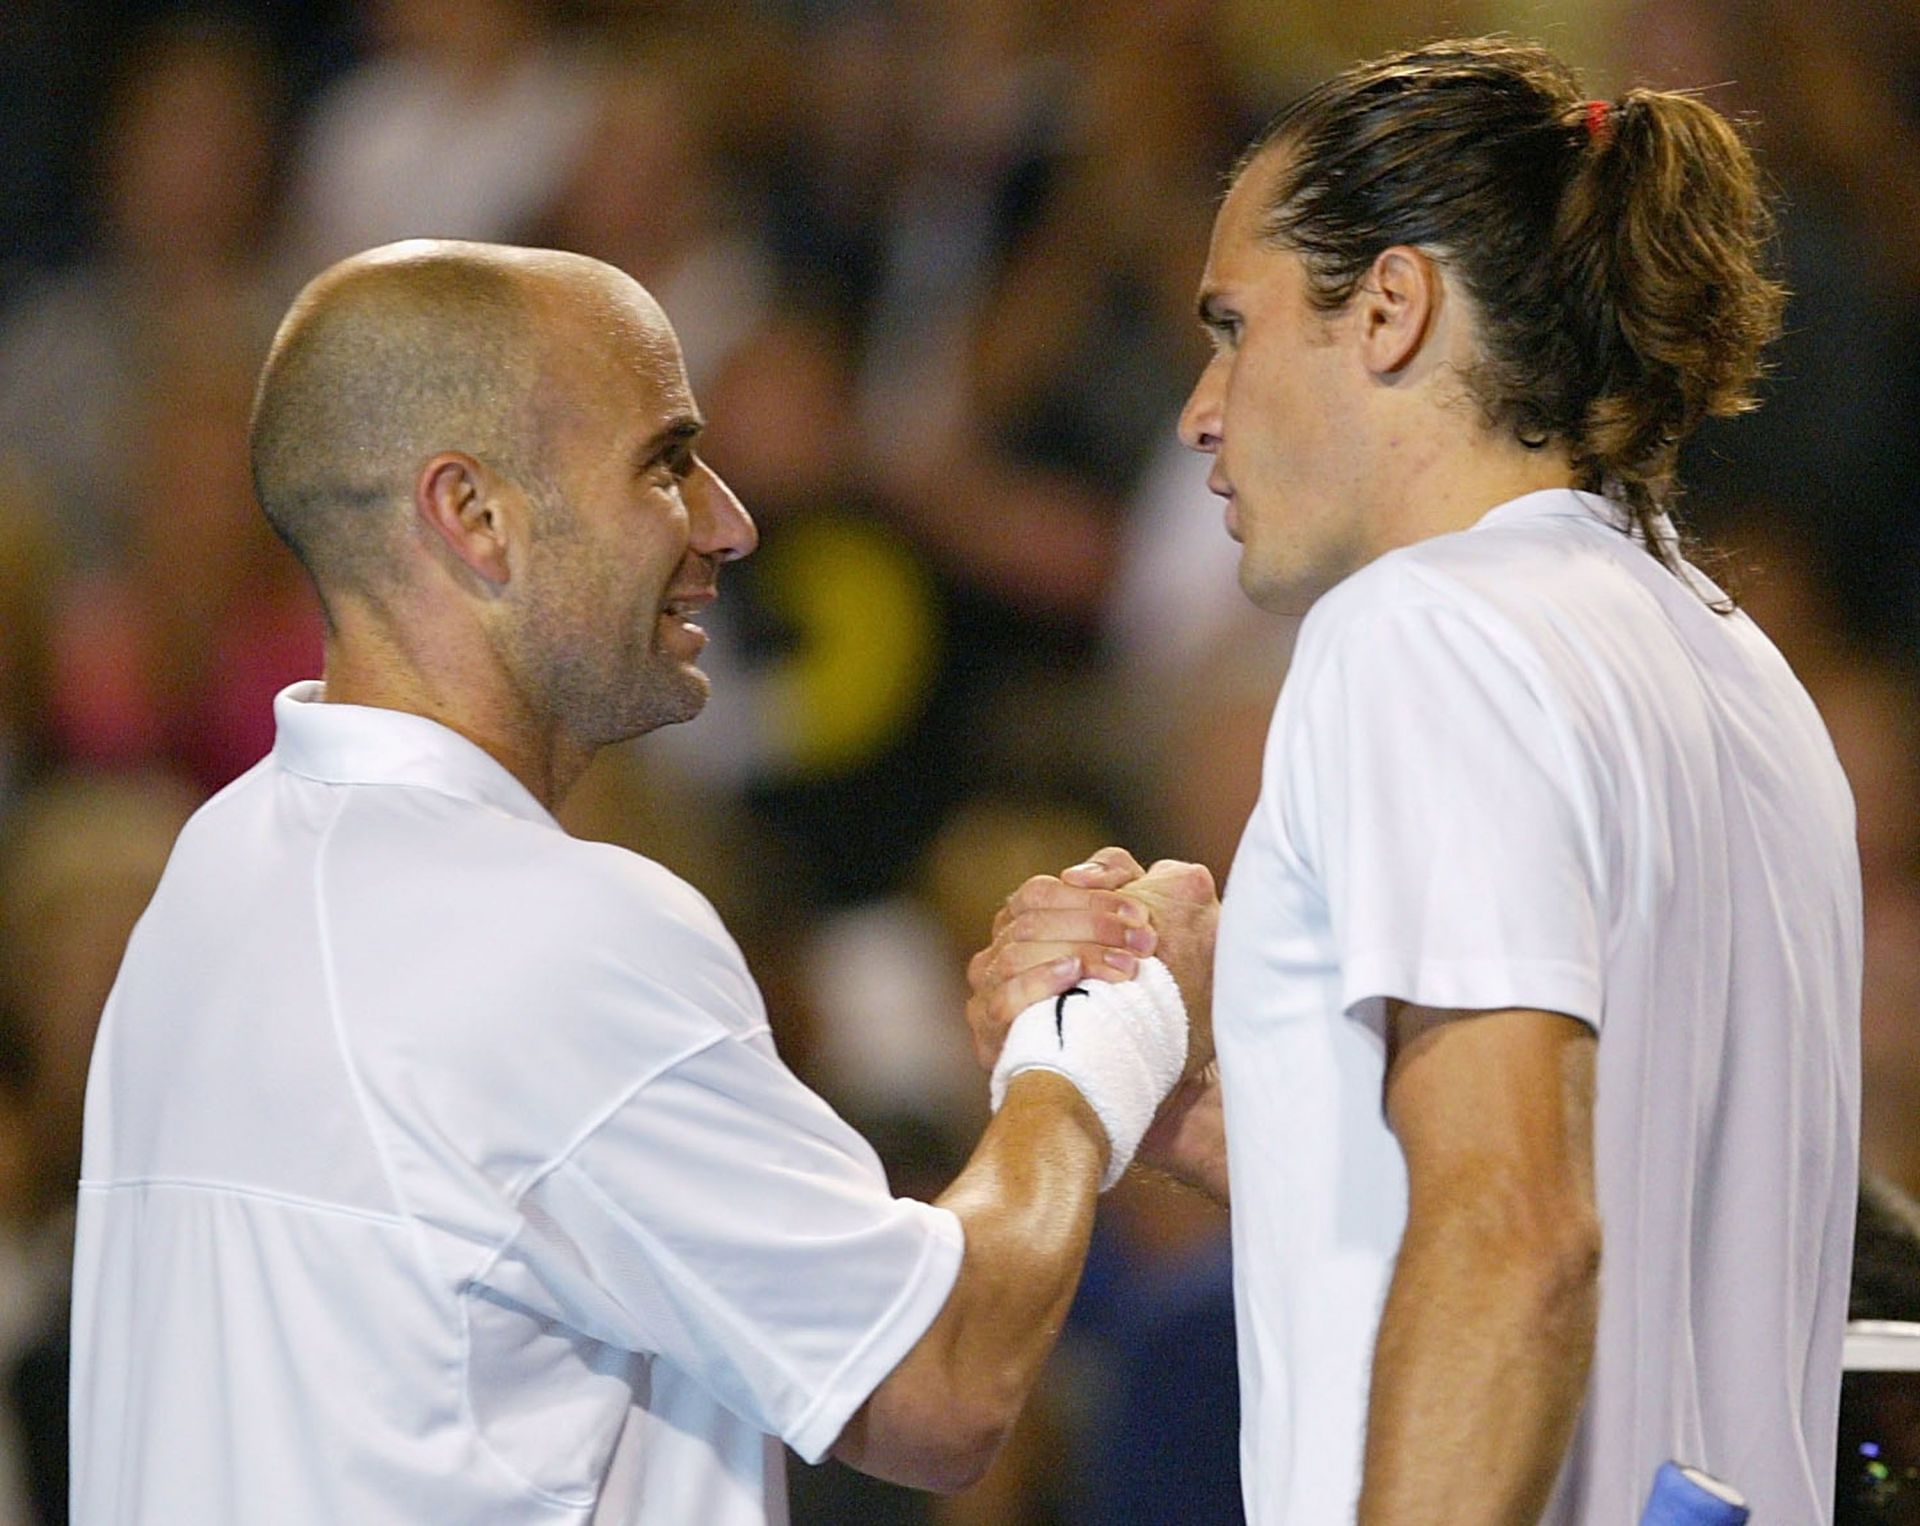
{"points": [[451, 881], [1502, 588], [560, 892], [499, 943], [1466, 570], [1419, 594]]}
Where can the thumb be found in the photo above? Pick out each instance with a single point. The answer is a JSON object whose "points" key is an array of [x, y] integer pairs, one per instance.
{"points": [[1108, 869]]}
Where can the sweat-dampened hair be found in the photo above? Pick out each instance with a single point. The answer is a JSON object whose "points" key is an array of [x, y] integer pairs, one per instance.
{"points": [[1618, 254]]}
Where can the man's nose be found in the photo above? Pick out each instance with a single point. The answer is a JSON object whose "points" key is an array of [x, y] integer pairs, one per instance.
{"points": [[1200, 420], [722, 528]]}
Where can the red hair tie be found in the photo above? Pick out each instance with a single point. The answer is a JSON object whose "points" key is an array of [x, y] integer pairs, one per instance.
{"points": [[1599, 122]]}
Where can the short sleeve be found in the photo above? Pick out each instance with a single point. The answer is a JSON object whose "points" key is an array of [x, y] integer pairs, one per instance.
{"points": [[724, 1218], [1430, 790]]}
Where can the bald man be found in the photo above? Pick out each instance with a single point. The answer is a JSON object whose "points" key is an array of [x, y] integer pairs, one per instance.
{"points": [[439, 1166]]}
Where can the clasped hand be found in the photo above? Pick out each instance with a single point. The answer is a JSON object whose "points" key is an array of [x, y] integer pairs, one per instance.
{"points": [[1096, 921]]}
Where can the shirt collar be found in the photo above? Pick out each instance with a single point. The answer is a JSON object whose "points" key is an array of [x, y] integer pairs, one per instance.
{"points": [[359, 744], [1555, 503]]}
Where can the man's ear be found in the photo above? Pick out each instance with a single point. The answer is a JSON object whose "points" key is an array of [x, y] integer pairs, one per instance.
{"points": [[1398, 303], [462, 503]]}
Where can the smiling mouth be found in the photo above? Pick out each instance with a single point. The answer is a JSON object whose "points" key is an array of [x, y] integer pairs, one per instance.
{"points": [[681, 630]]}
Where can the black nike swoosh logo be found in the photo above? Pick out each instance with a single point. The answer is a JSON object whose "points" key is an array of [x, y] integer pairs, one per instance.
{"points": [[1060, 1013]]}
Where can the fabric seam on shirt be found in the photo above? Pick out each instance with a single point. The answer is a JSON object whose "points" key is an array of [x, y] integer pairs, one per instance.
{"points": [[579, 1501], [323, 923], [412, 1221], [821, 1393], [516, 1196], [886, 1323], [429, 789], [235, 1189], [694, 1285], [598, 1121]]}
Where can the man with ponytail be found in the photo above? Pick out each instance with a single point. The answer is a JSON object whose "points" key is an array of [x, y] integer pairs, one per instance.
{"points": [[1537, 979]]}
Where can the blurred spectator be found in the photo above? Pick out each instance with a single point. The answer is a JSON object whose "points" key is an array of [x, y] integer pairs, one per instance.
{"points": [[1177, 589], [830, 177], [646, 193], [1829, 90], [79, 858], [172, 652], [1080, 343], [1087, 347], [888, 977], [43, 75], [990, 91], [184, 175], [1156, 1433], [833, 710], [1873, 710], [459, 125], [30, 568]]}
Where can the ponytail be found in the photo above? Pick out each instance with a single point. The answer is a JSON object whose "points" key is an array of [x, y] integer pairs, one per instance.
{"points": [[1662, 248]]}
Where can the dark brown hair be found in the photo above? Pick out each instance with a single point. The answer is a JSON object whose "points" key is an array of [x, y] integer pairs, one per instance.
{"points": [[1618, 253]]}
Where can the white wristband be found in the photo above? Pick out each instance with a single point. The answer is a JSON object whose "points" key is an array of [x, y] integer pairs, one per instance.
{"points": [[1123, 1045]]}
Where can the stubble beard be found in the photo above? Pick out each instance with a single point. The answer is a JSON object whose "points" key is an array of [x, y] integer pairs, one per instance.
{"points": [[601, 685]]}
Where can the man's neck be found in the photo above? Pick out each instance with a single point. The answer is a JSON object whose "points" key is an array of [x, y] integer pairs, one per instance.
{"points": [[367, 665], [1439, 490]]}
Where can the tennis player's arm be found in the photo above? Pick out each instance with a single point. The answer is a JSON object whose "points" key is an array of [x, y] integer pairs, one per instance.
{"points": [[1482, 1357], [1026, 1203]]}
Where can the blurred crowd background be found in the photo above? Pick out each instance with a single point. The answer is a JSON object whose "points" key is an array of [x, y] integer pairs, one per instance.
{"points": [[932, 263]]}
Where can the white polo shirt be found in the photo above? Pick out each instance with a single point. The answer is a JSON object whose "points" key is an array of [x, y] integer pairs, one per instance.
{"points": [[1526, 766], [439, 1168]]}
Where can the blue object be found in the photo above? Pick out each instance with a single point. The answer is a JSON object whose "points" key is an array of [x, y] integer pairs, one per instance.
{"points": [[1688, 1497]]}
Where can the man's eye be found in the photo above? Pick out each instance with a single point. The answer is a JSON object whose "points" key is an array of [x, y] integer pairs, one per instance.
{"points": [[1225, 333], [673, 465]]}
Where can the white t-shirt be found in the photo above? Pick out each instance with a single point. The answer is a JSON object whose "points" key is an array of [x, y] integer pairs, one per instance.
{"points": [[1526, 766], [439, 1167]]}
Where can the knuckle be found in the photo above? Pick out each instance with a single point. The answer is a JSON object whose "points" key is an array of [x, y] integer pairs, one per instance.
{"points": [[1034, 927], [1034, 890]]}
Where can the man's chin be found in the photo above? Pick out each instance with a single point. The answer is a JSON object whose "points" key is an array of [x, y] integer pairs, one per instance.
{"points": [[672, 703], [687, 697], [1275, 595]]}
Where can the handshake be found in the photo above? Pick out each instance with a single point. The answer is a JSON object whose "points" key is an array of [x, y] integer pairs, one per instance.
{"points": [[1104, 974]]}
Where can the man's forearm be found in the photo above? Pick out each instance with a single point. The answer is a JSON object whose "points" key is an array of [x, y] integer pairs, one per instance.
{"points": [[1188, 1141], [1026, 1202], [1478, 1373]]}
